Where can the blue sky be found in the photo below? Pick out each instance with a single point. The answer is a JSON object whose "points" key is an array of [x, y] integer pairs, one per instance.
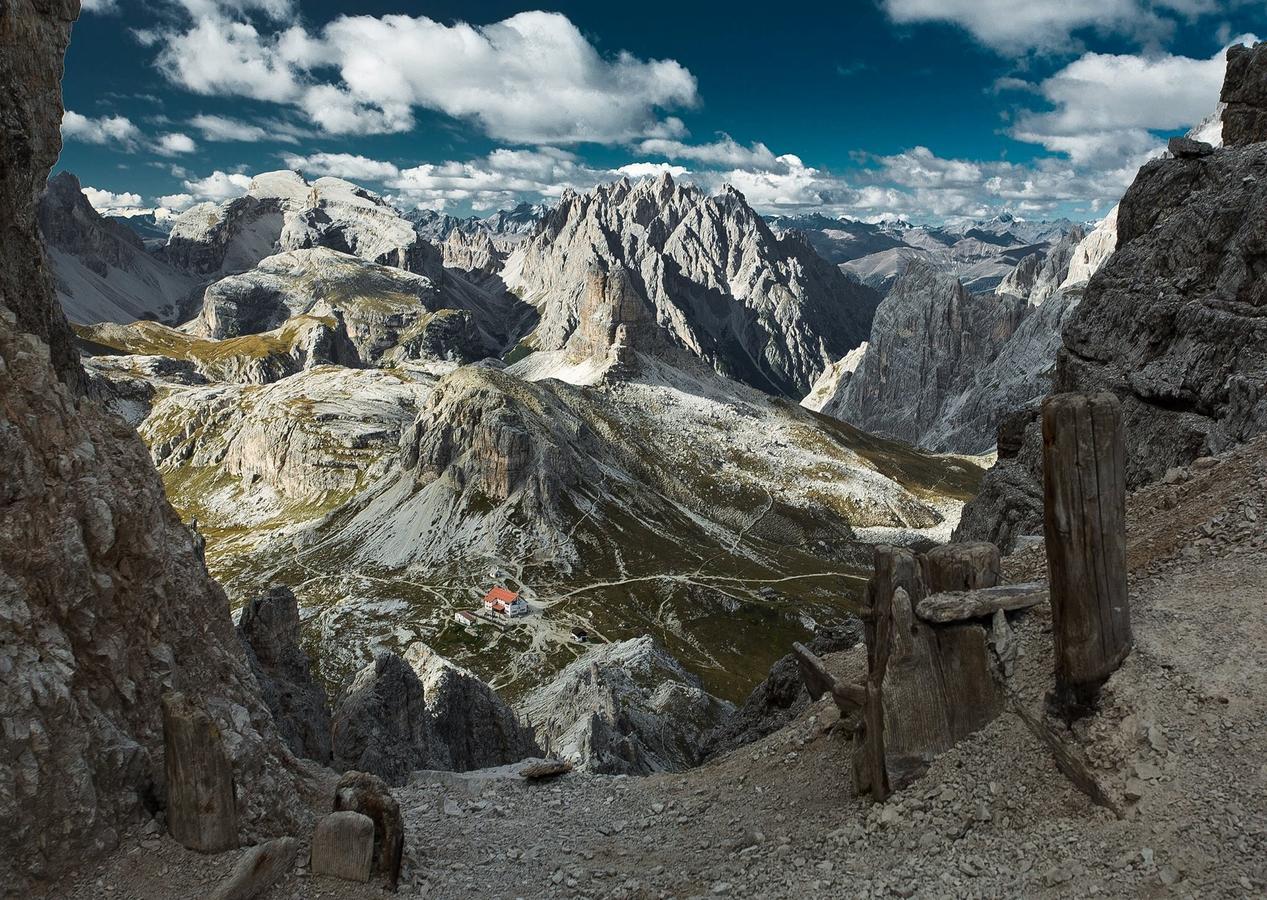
{"points": [[928, 109]]}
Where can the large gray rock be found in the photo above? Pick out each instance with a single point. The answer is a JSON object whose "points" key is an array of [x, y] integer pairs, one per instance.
{"points": [[765, 310], [423, 712], [625, 709], [1245, 96], [105, 603], [381, 725], [474, 726], [269, 627], [1173, 324]]}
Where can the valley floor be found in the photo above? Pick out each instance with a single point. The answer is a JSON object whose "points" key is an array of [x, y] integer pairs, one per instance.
{"points": [[1179, 744]]}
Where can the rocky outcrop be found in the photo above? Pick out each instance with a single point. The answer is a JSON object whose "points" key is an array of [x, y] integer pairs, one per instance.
{"points": [[768, 311], [101, 268], [388, 314], [1245, 96], [1173, 323], [423, 712], [300, 343], [929, 340], [493, 437], [615, 320], [625, 709], [269, 627], [105, 602], [475, 728], [828, 393], [381, 725], [778, 699], [243, 456], [33, 38]]}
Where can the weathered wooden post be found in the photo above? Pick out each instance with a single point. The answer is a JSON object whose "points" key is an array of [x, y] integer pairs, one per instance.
{"points": [[928, 685], [1084, 493], [201, 807]]}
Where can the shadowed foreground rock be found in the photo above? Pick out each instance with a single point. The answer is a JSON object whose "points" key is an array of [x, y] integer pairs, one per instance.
{"points": [[269, 627], [105, 603]]}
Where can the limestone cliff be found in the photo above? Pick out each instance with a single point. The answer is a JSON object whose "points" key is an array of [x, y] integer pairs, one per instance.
{"points": [[1174, 322], [105, 602]]}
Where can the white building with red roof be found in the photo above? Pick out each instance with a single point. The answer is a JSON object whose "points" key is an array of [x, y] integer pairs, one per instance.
{"points": [[505, 602]]}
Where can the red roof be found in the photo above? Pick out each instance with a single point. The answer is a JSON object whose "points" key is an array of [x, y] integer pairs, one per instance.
{"points": [[502, 594]]}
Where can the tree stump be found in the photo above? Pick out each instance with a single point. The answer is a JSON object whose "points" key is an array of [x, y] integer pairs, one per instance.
{"points": [[929, 685], [1084, 493], [962, 567], [201, 807], [370, 796], [343, 846]]}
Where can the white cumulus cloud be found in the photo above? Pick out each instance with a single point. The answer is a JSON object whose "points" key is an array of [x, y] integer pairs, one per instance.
{"points": [[174, 144], [216, 187], [107, 130], [1045, 25], [221, 128], [532, 78], [1105, 106], [343, 165], [723, 152], [101, 200]]}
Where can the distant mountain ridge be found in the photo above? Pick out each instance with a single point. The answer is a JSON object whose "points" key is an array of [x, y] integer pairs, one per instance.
{"points": [[514, 223], [979, 253]]}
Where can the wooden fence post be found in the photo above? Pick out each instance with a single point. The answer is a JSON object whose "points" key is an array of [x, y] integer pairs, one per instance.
{"points": [[1084, 493]]}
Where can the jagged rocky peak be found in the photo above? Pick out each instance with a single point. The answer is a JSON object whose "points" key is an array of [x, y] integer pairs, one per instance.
{"points": [[106, 603], [472, 722], [102, 271], [421, 711], [69, 222], [472, 252], [765, 310], [380, 723], [1170, 324], [627, 708], [269, 627]]}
